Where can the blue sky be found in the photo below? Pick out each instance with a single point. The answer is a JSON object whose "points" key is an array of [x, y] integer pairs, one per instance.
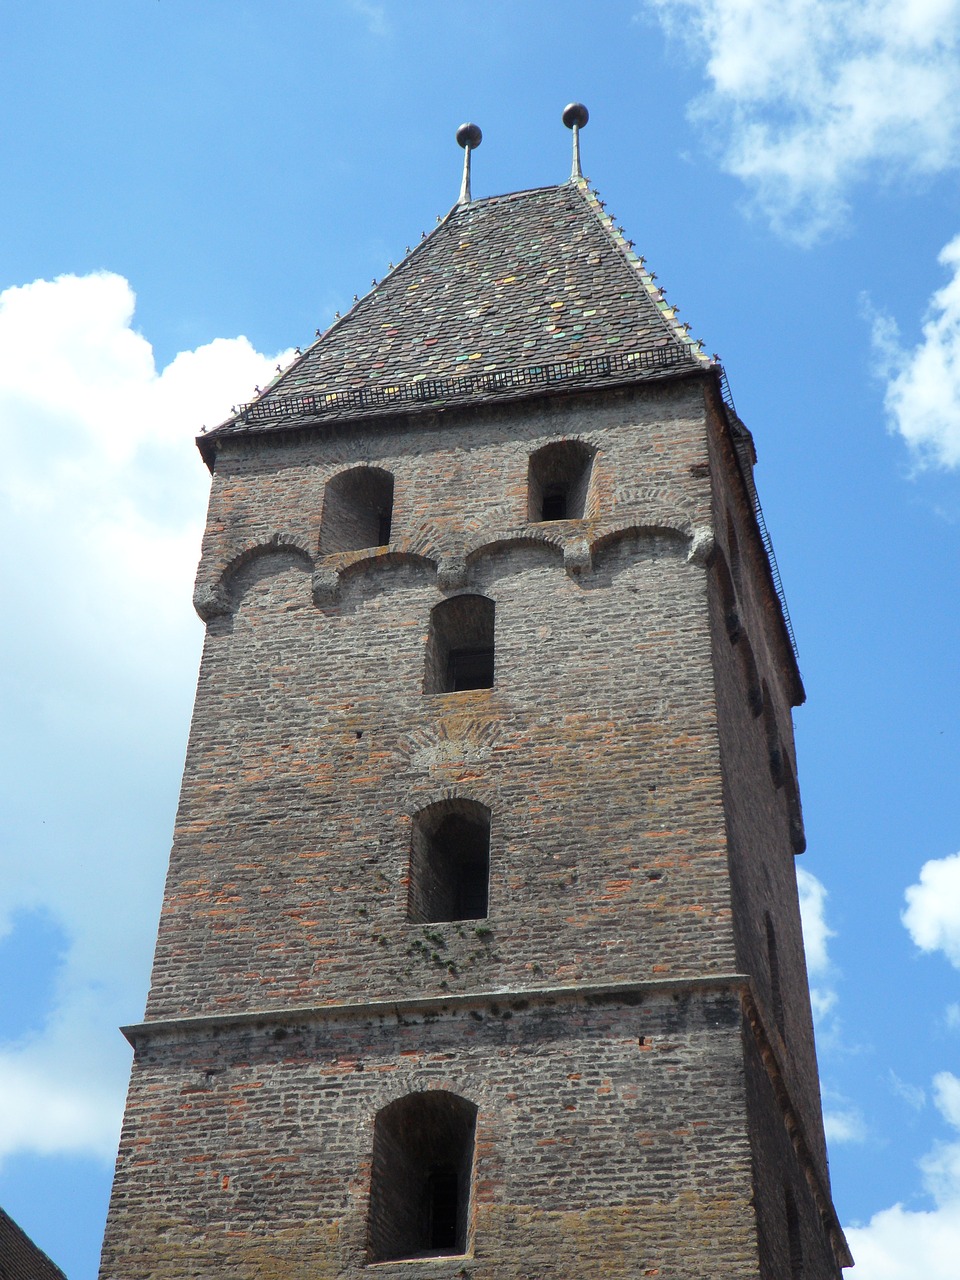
{"points": [[192, 189]]}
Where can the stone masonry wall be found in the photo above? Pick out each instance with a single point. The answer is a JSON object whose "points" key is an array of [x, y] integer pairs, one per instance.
{"points": [[313, 745], [613, 1140], [610, 1142]]}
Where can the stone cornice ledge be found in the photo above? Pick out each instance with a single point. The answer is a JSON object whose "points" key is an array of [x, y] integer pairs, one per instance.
{"points": [[591, 993]]}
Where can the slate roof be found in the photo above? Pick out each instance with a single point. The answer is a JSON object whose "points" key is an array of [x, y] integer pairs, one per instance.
{"points": [[505, 294], [20, 1259]]}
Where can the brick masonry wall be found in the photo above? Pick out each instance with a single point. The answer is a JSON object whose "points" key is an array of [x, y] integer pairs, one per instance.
{"points": [[762, 866], [620, 1142], [248, 1154], [313, 745]]}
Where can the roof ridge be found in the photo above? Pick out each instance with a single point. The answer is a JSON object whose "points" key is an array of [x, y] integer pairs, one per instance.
{"points": [[636, 262]]}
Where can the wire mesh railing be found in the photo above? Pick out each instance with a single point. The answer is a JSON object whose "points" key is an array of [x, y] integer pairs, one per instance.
{"points": [[747, 470], [425, 391]]}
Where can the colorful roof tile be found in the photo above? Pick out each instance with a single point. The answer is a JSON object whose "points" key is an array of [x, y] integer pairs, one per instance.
{"points": [[503, 290]]}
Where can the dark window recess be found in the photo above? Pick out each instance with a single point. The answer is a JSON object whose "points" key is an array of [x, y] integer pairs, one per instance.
{"points": [[442, 1204], [450, 862], [773, 959], [357, 510], [794, 1241], [469, 669], [460, 648], [558, 481], [555, 502], [420, 1179]]}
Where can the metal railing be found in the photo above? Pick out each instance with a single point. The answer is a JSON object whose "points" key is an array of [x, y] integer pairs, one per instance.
{"points": [[426, 391], [746, 469]]}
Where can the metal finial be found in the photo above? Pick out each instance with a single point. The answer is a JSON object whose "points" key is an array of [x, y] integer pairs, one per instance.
{"points": [[575, 116], [469, 137]]}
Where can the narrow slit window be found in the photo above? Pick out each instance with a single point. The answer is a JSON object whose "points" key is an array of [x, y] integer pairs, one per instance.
{"points": [[460, 646], [773, 962], [794, 1240], [421, 1177]]}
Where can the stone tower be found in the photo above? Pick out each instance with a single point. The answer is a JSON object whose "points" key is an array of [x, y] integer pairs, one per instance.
{"points": [[480, 952]]}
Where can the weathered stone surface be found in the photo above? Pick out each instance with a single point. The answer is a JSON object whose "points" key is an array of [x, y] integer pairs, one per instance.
{"points": [[639, 834]]}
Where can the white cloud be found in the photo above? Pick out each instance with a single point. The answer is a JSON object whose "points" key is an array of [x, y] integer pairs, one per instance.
{"points": [[946, 1094], [843, 1126], [912, 1094], [932, 914], [101, 510], [923, 384], [807, 97], [816, 935], [373, 15], [941, 1165], [901, 1244], [816, 931]]}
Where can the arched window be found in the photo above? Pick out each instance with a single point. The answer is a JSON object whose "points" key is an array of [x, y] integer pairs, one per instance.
{"points": [[559, 481], [460, 645], [421, 1175], [450, 862], [357, 510]]}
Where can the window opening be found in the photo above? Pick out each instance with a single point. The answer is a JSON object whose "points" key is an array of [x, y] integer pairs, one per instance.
{"points": [[733, 543], [798, 839], [450, 862], [469, 669], [357, 510], [442, 1198], [773, 959], [728, 600], [421, 1176], [460, 645], [794, 1242], [554, 502], [558, 481], [774, 748]]}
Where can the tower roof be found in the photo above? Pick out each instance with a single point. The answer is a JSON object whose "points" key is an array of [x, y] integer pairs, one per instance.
{"points": [[508, 293]]}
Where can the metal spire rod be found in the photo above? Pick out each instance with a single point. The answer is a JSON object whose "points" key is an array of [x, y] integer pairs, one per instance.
{"points": [[469, 137], [575, 116]]}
